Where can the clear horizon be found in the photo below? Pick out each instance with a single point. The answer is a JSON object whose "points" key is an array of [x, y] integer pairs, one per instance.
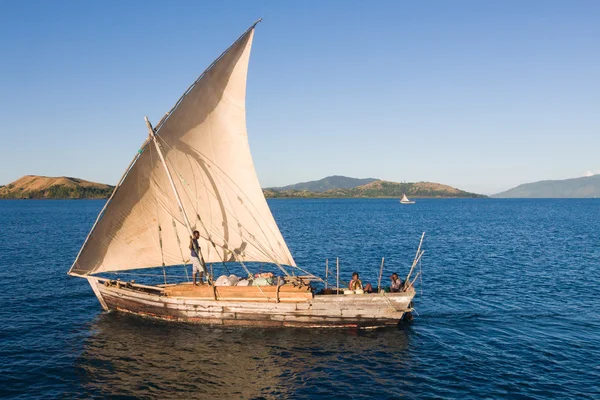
{"points": [[479, 96]]}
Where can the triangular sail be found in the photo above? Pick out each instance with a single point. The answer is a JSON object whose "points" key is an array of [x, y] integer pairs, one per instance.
{"points": [[205, 144]]}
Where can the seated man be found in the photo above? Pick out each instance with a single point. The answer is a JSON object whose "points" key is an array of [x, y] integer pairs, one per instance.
{"points": [[396, 283], [356, 284]]}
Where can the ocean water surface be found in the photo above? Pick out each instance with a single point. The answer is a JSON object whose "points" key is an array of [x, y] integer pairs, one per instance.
{"points": [[508, 308]]}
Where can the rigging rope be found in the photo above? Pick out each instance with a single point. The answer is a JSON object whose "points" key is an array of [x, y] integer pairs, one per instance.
{"points": [[268, 298], [231, 184], [421, 277], [161, 252], [180, 251], [248, 238], [213, 243], [257, 244], [208, 238]]}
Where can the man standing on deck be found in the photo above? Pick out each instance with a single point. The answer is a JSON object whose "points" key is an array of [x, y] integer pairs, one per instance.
{"points": [[197, 267]]}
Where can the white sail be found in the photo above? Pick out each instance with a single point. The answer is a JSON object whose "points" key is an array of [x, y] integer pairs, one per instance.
{"points": [[205, 144], [404, 198]]}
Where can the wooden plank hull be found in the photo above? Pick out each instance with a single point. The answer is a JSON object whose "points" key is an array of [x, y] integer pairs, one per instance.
{"points": [[251, 306]]}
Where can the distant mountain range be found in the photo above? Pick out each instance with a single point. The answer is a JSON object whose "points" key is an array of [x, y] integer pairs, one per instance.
{"points": [[44, 187], [587, 186], [342, 186]]}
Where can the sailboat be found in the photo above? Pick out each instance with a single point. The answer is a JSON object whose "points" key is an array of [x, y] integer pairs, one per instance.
{"points": [[194, 172], [405, 200]]}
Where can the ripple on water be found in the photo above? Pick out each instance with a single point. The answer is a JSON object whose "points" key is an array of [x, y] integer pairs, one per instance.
{"points": [[508, 309]]}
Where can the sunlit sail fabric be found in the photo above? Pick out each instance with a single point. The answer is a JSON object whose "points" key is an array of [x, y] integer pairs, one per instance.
{"points": [[205, 144]]}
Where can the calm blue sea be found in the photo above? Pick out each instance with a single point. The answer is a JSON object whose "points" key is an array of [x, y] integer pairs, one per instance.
{"points": [[509, 307]]}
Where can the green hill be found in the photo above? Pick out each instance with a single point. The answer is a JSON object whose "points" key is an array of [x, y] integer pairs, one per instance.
{"points": [[328, 183], [585, 187], [44, 187], [377, 188]]}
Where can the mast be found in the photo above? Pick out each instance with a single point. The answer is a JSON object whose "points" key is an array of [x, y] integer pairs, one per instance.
{"points": [[175, 192]]}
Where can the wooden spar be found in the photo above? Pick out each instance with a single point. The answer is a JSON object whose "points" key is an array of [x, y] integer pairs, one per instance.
{"points": [[380, 274], [326, 271], [417, 259], [419, 248], [408, 284], [162, 119], [418, 255], [416, 276], [337, 274], [175, 192]]}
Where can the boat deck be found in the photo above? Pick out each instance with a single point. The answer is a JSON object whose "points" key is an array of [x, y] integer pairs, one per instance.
{"points": [[283, 293]]}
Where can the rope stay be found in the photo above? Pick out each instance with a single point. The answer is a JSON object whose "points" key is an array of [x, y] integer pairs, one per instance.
{"points": [[236, 189], [180, 251], [152, 134], [267, 251], [208, 236], [160, 242], [266, 295]]}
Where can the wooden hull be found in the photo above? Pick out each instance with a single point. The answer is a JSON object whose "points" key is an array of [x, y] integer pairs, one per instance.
{"points": [[269, 306]]}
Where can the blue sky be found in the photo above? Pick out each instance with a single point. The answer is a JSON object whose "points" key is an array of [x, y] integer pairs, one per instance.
{"points": [[480, 95]]}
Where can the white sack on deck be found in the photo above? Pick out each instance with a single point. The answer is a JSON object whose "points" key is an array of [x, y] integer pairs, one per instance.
{"points": [[223, 280]]}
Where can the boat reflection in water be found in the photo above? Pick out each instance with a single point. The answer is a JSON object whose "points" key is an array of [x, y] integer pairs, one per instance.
{"points": [[137, 357]]}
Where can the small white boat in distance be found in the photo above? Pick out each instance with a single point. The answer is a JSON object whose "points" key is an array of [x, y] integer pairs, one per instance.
{"points": [[405, 200]]}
